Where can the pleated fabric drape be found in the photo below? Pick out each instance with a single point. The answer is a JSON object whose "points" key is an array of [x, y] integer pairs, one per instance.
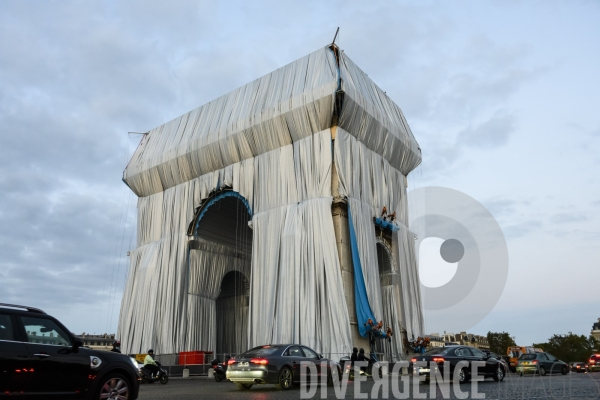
{"points": [[271, 142], [369, 182], [295, 277]]}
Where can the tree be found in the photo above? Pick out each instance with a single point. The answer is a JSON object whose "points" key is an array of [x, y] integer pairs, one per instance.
{"points": [[570, 347], [499, 342]]}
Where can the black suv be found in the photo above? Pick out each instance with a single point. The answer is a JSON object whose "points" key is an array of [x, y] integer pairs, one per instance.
{"points": [[41, 359], [449, 357]]}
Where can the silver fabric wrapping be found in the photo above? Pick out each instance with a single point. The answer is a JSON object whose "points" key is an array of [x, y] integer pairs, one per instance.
{"points": [[295, 275], [366, 176], [375, 120], [270, 141], [370, 182], [404, 241], [286, 105], [390, 295], [209, 263]]}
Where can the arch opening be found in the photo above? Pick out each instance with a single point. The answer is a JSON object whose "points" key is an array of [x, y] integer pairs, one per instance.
{"points": [[232, 314], [224, 219], [384, 259], [223, 236]]}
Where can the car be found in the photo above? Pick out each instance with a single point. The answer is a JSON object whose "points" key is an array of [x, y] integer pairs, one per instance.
{"points": [[541, 363], [578, 367], [40, 358], [514, 352], [278, 364], [452, 355], [594, 363], [497, 357]]}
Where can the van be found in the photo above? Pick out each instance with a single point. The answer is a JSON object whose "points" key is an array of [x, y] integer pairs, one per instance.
{"points": [[594, 363], [514, 352]]}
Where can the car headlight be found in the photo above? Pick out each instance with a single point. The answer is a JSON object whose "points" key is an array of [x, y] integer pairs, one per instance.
{"points": [[95, 362]]}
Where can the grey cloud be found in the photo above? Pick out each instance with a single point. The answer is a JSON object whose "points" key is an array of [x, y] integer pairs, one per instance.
{"points": [[492, 133], [582, 130], [501, 207], [521, 229], [566, 218]]}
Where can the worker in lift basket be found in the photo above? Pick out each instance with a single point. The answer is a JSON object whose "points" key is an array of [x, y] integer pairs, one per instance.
{"points": [[149, 363]]}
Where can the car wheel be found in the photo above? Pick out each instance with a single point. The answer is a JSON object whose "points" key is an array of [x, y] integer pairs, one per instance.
{"points": [[520, 373], [542, 371], [463, 376], [499, 375], [285, 379], [564, 370], [113, 386], [243, 386], [164, 379]]}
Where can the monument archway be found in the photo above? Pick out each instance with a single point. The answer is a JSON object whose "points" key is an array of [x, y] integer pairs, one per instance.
{"points": [[221, 224]]}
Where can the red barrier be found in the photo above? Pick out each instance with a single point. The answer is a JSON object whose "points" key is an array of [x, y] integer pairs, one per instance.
{"points": [[194, 357]]}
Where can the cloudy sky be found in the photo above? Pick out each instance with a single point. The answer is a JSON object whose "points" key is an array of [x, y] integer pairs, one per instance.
{"points": [[502, 96]]}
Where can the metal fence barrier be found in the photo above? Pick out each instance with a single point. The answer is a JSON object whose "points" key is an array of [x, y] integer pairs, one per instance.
{"points": [[175, 363]]}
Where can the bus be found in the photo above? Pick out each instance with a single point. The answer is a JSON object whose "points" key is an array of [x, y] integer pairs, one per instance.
{"points": [[514, 352]]}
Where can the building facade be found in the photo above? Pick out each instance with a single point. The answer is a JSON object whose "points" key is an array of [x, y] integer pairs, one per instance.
{"points": [[98, 342], [466, 339], [596, 330], [260, 218]]}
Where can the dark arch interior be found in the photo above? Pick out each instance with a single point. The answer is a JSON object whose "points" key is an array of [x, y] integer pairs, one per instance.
{"points": [[232, 314], [226, 222], [384, 259], [234, 283]]}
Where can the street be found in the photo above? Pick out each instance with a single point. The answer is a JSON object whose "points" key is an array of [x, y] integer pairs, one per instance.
{"points": [[571, 386]]}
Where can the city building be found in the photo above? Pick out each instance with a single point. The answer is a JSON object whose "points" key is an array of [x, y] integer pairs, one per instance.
{"points": [[436, 340], [466, 339], [276, 213], [596, 330], [98, 342]]}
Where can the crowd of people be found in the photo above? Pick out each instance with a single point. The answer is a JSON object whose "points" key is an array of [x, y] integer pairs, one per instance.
{"points": [[418, 345], [385, 216], [377, 329]]}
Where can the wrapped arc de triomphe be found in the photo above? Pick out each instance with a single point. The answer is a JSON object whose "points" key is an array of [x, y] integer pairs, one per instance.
{"points": [[256, 218]]}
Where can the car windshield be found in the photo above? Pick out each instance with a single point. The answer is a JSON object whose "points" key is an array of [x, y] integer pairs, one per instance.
{"points": [[261, 351], [436, 350], [527, 357]]}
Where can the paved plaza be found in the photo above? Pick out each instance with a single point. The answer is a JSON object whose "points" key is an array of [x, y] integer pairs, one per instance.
{"points": [[571, 386]]}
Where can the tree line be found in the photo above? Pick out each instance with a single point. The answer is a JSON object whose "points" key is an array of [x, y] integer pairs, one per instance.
{"points": [[568, 348]]}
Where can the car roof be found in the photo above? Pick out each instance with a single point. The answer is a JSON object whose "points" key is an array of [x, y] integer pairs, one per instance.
{"points": [[16, 307]]}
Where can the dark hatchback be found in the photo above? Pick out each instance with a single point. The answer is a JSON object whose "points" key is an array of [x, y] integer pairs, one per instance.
{"points": [[541, 363], [41, 359], [281, 365], [578, 367], [444, 357]]}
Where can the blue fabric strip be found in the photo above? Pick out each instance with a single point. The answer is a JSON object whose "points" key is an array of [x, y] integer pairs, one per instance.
{"points": [[363, 308], [386, 225], [222, 195]]}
